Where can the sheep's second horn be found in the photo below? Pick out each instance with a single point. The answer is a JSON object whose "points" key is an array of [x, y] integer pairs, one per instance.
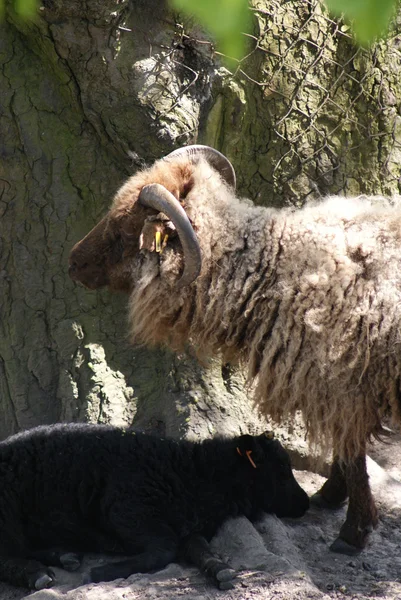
{"points": [[158, 197], [217, 160]]}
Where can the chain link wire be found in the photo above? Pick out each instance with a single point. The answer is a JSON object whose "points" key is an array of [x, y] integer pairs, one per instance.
{"points": [[335, 105], [319, 114]]}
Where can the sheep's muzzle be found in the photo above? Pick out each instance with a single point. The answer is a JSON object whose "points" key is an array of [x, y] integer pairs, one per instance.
{"points": [[87, 261], [91, 276]]}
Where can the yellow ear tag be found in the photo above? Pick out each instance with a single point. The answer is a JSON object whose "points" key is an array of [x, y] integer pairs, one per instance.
{"points": [[158, 238]]}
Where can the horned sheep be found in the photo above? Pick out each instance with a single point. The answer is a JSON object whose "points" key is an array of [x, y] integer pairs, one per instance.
{"points": [[309, 299], [72, 488]]}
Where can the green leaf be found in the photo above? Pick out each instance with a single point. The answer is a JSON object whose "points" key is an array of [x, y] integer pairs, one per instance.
{"points": [[26, 8], [226, 20], [369, 18]]}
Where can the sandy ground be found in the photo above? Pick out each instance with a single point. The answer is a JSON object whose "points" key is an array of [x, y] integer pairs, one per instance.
{"points": [[276, 559]]}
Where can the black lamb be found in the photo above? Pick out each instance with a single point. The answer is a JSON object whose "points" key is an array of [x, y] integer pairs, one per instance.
{"points": [[72, 488]]}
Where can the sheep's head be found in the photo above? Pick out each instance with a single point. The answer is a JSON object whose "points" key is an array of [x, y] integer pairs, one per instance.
{"points": [[146, 206]]}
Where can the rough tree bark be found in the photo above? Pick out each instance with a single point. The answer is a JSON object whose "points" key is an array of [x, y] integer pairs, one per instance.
{"points": [[83, 105], [89, 93]]}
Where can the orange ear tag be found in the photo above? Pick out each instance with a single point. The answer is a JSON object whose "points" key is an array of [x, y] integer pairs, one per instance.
{"points": [[248, 455]]}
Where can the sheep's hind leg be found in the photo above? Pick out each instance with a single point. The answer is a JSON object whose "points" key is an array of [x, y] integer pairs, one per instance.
{"points": [[26, 572], [159, 552], [362, 515], [57, 557], [197, 550], [349, 479]]}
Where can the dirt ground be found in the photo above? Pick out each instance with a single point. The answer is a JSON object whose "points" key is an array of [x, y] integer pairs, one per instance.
{"points": [[276, 559]]}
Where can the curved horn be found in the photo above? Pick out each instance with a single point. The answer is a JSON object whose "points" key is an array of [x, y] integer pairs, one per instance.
{"points": [[215, 158], [158, 197]]}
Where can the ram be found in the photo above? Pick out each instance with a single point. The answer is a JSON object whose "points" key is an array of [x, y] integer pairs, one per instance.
{"points": [[73, 488], [309, 300]]}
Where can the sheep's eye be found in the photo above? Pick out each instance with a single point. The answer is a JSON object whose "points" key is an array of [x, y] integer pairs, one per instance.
{"points": [[116, 251], [127, 237]]}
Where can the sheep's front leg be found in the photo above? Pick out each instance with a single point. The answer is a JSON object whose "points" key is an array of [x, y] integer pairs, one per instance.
{"points": [[57, 557], [197, 550], [26, 572], [334, 491]]}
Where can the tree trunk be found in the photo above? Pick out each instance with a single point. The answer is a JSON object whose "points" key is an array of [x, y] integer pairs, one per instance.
{"points": [[92, 91], [81, 111]]}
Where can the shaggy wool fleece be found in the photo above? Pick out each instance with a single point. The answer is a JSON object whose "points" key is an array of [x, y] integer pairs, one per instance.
{"points": [[309, 299]]}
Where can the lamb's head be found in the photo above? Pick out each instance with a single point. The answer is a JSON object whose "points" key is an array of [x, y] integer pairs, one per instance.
{"points": [[145, 210]]}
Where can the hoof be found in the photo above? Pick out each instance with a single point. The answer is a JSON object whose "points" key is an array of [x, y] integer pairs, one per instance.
{"points": [[70, 561], [220, 573], [342, 547], [320, 502], [226, 574], [44, 582], [226, 585]]}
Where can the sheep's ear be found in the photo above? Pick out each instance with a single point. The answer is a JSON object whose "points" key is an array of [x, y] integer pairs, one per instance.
{"points": [[269, 435], [246, 447], [155, 235]]}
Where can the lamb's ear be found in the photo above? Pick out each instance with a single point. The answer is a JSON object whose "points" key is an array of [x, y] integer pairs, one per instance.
{"points": [[246, 447]]}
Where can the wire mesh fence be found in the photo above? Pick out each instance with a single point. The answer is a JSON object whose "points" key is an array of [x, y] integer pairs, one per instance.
{"points": [[318, 114], [334, 104]]}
